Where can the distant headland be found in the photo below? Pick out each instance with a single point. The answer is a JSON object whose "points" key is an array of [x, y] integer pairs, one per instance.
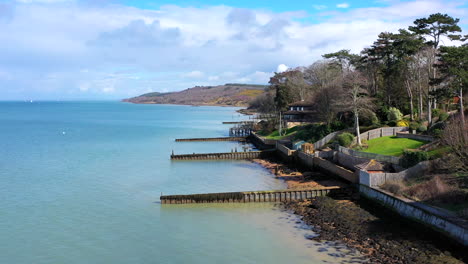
{"points": [[230, 94]]}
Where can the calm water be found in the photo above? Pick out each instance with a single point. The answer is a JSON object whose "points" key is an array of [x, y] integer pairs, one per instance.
{"points": [[80, 183]]}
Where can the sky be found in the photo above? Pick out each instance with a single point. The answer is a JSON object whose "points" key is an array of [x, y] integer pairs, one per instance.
{"points": [[105, 49]]}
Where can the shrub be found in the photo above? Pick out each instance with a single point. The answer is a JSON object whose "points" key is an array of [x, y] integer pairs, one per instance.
{"points": [[345, 139], [443, 116], [337, 125], [422, 128], [436, 112], [394, 114], [391, 123], [402, 123], [437, 129], [368, 118], [415, 125], [411, 158], [395, 187]]}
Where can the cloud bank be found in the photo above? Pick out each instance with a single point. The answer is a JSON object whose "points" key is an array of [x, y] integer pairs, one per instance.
{"points": [[70, 49]]}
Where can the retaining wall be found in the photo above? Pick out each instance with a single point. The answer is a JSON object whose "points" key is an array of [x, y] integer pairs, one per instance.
{"points": [[348, 161], [261, 142], [377, 179], [439, 220], [336, 170], [248, 197]]}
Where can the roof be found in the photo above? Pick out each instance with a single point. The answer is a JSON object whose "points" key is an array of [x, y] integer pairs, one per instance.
{"points": [[302, 103], [371, 165]]}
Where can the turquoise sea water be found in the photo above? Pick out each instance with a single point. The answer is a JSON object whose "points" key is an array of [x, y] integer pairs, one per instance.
{"points": [[80, 183]]}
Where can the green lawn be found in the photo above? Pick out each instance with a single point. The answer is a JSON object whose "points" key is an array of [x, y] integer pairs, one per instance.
{"points": [[392, 146], [275, 135]]}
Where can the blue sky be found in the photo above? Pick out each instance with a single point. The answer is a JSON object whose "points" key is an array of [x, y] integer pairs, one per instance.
{"points": [[104, 49]]}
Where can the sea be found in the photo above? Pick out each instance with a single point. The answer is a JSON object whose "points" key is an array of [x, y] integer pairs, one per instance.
{"points": [[80, 183]]}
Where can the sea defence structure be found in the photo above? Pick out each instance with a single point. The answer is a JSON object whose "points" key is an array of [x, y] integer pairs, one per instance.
{"points": [[224, 156], [249, 197], [241, 139]]}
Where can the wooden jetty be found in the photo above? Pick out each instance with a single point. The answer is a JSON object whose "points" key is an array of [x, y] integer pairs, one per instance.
{"points": [[224, 156], [250, 197], [241, 139]]}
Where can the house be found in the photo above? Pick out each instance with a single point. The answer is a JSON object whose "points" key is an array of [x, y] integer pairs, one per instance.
{"points": [[299, 113]]}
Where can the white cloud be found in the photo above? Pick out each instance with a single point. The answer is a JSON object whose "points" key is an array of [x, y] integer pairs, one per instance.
{"points": [[343, 5], [194, 75], [282, 68], [319, 7], [110, 50]]}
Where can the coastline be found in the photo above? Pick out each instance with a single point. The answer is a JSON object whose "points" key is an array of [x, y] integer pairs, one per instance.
{"points": [[374, 231]]}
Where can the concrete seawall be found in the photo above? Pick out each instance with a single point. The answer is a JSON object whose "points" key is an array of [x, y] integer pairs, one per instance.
{"points": [[438, 220], [248, 197]]}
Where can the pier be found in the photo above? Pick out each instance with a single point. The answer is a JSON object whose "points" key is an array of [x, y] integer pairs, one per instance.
{"points": [[249, 197], [224, 156], [240, 139]]}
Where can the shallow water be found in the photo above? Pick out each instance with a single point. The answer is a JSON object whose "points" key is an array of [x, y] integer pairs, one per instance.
{"points": [[80, 183]]}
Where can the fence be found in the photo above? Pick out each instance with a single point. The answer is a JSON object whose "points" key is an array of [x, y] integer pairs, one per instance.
{"points": [[382, 158], [415, 136], [381, 132]]}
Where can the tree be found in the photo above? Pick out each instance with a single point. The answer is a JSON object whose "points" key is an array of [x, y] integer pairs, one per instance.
{"points": [[435, 26], [356, 98], [344, 59], [453, 65]]}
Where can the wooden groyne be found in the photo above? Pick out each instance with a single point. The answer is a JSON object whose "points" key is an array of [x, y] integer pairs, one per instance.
{"points": [[224, 156], [237, 122], [241, 139], [249, 197]]}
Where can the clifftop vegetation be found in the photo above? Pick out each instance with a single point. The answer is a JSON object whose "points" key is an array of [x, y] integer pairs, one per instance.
{"points": [[222, 95]]}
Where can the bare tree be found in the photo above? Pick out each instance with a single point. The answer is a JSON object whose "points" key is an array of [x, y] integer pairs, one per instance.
{"points": [[356, 98]]}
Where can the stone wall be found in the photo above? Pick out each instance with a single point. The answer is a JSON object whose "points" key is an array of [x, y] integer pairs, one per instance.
{"points": [[439, 220]]}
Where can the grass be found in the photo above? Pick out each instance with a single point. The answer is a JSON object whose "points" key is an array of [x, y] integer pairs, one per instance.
{"points": [[392, 146], [275, 134]]}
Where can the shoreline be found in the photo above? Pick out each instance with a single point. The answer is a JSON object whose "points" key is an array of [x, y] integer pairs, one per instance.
{"points": [[374, 231]]}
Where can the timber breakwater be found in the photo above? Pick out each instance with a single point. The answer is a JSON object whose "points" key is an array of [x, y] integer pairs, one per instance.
{"points": [[249, 197]]}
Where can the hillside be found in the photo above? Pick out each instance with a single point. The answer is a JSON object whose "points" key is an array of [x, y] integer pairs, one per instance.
{"points": [[222, 95]]}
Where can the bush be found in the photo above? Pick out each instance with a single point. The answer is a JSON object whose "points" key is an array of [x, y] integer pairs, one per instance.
{"points": [[436, 112], [337, 125], [437, 129], [443, 116], [394, 114], [368, 118], [345, 139], [402, 123], [391, 123], [422, 128], [312, 133], [411, 158], [415, 125]]}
